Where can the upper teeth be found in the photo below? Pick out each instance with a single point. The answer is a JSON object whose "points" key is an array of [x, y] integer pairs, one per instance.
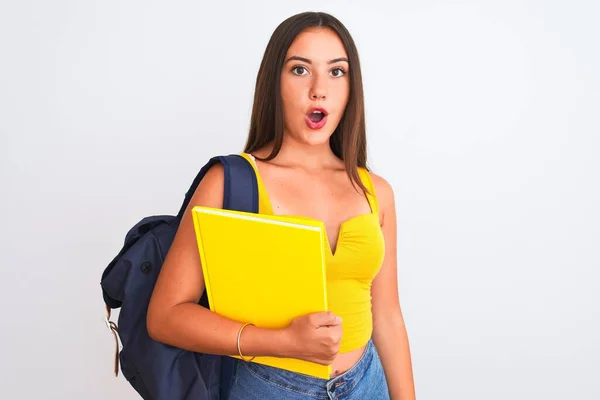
{"points": [[317, 112]]}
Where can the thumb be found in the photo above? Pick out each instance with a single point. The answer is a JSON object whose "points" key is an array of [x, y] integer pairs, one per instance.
{"points": [[328, 318]]}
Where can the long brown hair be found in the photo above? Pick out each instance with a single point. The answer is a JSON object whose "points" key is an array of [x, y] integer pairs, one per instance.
{"points": [[348, 142]]}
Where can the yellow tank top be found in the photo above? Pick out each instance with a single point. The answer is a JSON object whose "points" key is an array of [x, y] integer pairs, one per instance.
{"points": [[351, 267]]}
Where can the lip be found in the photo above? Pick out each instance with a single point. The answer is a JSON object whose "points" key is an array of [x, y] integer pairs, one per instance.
{"points": [[316, 125], [321, 109]]}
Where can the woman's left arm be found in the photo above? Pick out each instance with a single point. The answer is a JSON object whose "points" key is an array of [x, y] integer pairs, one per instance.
{"points": [[389, 331]]}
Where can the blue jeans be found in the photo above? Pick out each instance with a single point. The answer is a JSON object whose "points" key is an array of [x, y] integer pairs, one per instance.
{"points": [[364, 381]]}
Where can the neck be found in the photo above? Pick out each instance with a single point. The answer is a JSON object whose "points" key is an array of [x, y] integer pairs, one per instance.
{"points": [[310, 157]]}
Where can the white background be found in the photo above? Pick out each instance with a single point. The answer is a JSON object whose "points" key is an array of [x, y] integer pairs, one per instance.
{"points": [[484, 116]]}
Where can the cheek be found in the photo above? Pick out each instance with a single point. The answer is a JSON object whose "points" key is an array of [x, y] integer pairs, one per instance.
{"points": [[342, 94], [291, 95]]}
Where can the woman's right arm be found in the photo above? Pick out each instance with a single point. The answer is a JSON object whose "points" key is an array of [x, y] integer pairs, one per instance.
{"points": [[175, 317]]}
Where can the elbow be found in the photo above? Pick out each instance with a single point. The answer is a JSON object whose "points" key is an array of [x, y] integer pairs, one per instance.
{"points": [[389, 322], [154, 322], [152, 329]]}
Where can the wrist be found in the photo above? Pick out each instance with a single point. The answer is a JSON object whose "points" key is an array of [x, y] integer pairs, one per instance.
{"points": [[258, 342], [283, 343]]}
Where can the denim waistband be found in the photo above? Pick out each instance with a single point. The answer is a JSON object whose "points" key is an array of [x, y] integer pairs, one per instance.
{"points": [[313, 386]]}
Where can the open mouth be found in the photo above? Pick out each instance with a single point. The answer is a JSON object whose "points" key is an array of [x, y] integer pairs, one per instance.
{"points": [[316, 116]]}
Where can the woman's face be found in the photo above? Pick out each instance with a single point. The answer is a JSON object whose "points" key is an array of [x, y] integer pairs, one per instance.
{"points": [[315, 86]]}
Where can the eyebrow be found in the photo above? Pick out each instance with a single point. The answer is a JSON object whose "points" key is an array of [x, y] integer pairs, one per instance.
{"points": [[306, 60]]}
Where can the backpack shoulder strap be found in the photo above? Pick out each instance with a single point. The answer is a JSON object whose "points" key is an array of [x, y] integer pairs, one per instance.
{"points": [[241, 187], [240, 190], [240, 193]]}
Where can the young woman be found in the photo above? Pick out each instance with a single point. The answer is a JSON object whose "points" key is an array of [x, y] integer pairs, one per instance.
{"points": [[307, 144]]}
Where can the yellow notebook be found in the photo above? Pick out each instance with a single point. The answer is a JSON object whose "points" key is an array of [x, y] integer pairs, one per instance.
{"points": [[263, 269]]}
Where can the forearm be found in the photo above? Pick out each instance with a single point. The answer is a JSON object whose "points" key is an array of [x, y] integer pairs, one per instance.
{"points": [[391, 341], [192, 327]]}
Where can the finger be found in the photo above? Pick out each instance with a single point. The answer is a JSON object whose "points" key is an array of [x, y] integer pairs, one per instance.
{"points": [[328, 319]]}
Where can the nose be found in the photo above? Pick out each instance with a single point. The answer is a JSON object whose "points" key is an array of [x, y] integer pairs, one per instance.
{"points": [[318, 90]]}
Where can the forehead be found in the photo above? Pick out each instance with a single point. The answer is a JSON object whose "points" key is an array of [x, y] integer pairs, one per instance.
{"points": [[317, 44]]}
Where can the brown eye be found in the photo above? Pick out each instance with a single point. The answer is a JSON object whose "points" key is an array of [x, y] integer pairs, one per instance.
{"points": [[338, 72], [299, 70]]}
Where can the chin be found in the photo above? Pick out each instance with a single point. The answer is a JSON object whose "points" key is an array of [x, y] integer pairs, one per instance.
{"points": [[316, 138]]}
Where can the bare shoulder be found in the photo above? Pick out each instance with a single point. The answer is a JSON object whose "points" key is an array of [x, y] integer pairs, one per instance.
{"points": [[210, 190], [383, 191]]}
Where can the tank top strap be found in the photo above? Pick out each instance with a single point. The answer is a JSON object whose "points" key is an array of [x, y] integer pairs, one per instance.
{"points": [[366, 179], [264, 203]]}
